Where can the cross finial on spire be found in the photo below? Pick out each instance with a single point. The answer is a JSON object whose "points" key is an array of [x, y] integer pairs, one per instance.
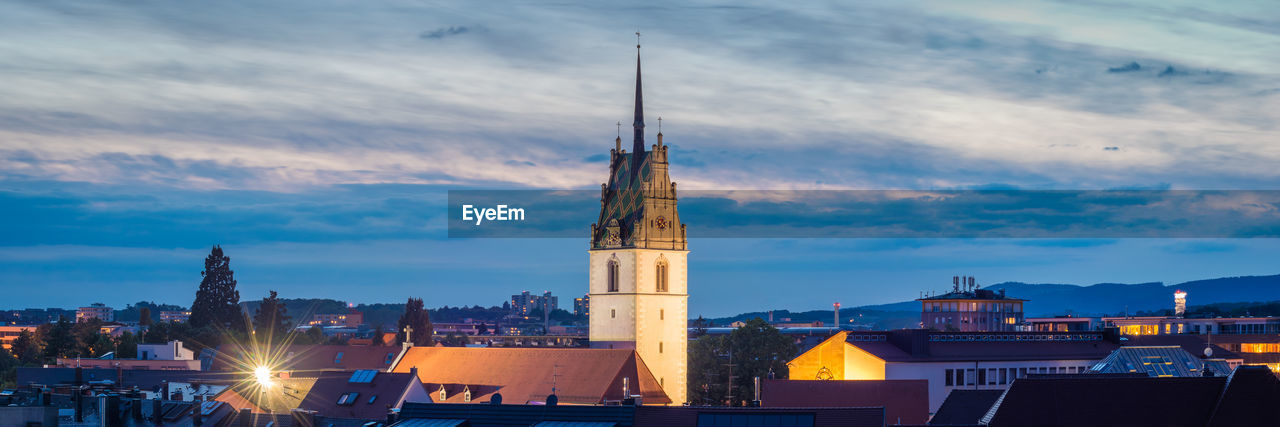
{"points": [[619, 129]]}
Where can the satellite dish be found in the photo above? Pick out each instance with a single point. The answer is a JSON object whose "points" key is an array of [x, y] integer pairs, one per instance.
{"points": [[1208, 351]]}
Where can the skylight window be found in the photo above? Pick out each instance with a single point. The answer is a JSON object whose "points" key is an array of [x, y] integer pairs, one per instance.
{"points": [[337, 358], [347, 399]]}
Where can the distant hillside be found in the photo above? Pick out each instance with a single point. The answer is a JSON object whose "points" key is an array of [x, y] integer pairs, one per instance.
{"points": [[1115, 298], [1047, 299]]}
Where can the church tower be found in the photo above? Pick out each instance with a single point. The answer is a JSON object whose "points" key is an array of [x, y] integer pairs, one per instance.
{"points": [[639, 297]]}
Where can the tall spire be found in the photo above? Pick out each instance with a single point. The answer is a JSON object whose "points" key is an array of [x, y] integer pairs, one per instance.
{"points": [[638, 140]]}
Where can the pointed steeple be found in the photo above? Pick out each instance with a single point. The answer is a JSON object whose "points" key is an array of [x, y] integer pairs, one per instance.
{"points": [[637, 144]]}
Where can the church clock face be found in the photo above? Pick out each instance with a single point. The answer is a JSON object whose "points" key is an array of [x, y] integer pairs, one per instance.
{"points": [[661, 223]]}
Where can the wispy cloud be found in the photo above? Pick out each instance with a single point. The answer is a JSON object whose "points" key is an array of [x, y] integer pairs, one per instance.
{"points": [[441, 33], [301, 94]]}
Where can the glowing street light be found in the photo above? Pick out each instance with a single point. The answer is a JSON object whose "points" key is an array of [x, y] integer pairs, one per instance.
{"points": [[263, 375]]}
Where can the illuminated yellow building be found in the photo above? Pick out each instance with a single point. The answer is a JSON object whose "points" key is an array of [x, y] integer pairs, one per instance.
{"points": [[949, 360]]}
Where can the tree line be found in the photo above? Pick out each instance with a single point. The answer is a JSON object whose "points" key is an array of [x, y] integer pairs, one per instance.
{"points": [[216, 317]]}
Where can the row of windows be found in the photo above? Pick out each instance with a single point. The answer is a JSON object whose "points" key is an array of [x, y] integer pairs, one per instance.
{"points": [[985, 307], [660, 272], [1001, 376]]}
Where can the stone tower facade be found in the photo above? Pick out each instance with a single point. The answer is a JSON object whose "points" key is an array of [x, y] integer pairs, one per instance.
{"points": [[638, 253]]}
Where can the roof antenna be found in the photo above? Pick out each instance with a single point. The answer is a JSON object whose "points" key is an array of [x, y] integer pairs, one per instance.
{"points": [[637, 39], [659, 124]]}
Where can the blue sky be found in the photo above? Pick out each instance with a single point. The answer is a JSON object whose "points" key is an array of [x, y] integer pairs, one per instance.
{"points": [[316, 140]]}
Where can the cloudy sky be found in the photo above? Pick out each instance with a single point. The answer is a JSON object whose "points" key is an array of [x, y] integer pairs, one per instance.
{"points": [[316, 141]]}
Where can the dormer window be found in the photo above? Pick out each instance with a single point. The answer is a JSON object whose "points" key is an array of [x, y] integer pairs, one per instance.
{"points": [[466, 394], [443, 394]]}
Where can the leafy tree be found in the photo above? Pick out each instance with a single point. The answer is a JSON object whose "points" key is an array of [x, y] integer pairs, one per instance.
{"points": [[756, 349], [144, 316], [315, 335], [455, 340], [58, 340], [27, 348], [482, 329], [8, 368], [127, 346], [85, 333], [416, 317], [271, 321], [217, 301]]}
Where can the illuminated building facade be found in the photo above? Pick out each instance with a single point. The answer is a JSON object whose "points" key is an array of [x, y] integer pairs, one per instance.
{"points": [[1165, 325], [95, 311], [969, 309], [175, 316], [950, 360], [582, 306], [1179, 303], [10, 333], [524, 303], [637, 263], [351, 319]]}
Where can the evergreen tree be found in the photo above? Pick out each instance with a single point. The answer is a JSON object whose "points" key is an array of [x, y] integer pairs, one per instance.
{"points": [[27, 348], [271, 321], [217, 301], [144, 316], [416, 317]]}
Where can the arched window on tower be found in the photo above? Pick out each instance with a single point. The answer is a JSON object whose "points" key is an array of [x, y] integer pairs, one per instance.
{"points": [[662, 275], [613, 275]]}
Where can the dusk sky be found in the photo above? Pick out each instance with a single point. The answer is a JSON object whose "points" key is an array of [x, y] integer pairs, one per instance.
{"points": [[316, 141]]}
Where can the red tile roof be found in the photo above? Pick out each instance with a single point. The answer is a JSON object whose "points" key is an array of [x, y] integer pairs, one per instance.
{"points": [[581, 376], [904, 401]]}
